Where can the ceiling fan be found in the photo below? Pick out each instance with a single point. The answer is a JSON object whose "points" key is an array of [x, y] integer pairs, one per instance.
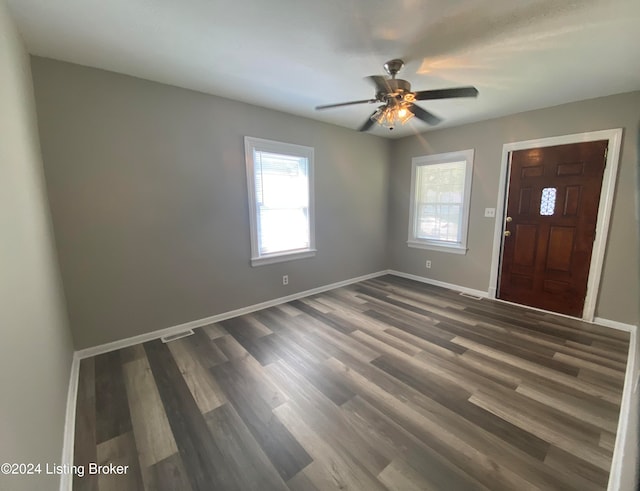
{"points": [[399, 101]]}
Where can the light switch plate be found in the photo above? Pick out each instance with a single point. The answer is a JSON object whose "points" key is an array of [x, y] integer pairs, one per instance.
{"points": [[490, 212]]}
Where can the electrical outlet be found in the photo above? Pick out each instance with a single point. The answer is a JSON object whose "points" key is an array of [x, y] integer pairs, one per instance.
{"points": [[490, 212], [285, 279], [428, 264]]}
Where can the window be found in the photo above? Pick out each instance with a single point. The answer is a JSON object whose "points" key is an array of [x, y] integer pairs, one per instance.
{"points": [[439, 207], [548, 201], [280, 183]]}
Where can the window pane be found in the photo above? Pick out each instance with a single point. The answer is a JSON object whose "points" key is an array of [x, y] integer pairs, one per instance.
{"points": [[282, 200], [439, 206], [283, 229], [548, 201]]}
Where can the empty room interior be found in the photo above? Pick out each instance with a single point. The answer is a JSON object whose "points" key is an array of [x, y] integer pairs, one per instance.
{"points": [[355, 245]]}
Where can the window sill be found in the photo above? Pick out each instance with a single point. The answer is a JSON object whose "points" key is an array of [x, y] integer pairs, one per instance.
{"points": [[280, 258], [453, 249]]}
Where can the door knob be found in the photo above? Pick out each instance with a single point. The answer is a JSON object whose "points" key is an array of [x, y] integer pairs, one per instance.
{"points": [[507, 233]]}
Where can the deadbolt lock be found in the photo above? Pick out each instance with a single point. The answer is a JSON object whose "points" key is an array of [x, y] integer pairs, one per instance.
{"points": [[508, 219]]}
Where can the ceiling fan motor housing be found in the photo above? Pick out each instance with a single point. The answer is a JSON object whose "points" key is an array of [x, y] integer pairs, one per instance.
{"points": [[399, 85], [397, 89]]}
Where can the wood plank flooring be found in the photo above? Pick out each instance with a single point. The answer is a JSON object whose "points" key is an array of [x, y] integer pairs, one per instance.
{"points": [[384, 384]]}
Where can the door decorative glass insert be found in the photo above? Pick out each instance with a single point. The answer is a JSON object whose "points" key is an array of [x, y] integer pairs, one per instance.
{"points": [[548, 201]]}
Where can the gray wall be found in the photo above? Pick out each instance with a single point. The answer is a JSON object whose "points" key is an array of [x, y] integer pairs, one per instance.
{"points": [[619, 290], [36, 350], [148, 195]]}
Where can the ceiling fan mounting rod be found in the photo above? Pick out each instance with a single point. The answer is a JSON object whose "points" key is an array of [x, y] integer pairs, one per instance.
{"points": [[392, 67]]}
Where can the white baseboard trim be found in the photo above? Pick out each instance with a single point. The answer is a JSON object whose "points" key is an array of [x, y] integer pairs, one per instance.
{"points": [[429, 281], [168, 331], [620, 326], [619, 463], [66, 479]]}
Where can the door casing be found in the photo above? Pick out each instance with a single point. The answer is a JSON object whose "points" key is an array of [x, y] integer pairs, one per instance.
{"points": [[614, 137]]}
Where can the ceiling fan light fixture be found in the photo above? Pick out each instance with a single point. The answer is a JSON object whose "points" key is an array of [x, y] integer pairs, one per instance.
{"points": [[403, 114], [390, 116]]}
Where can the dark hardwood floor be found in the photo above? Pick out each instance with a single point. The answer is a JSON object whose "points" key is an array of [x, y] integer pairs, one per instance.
{"points": [[384, 384]]}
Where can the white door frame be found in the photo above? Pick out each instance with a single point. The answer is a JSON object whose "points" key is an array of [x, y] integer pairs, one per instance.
{"points": [[614, 136]]}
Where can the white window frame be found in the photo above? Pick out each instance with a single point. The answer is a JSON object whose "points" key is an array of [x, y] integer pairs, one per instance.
{"points": [[442, 158], [251, 145]]}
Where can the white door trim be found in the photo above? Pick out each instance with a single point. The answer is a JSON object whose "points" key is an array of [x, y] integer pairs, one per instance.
{"points": [[614, 136]]}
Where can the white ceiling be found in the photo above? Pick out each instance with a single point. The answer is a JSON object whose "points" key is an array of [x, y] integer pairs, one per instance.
{"points": [[292, 55]]}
